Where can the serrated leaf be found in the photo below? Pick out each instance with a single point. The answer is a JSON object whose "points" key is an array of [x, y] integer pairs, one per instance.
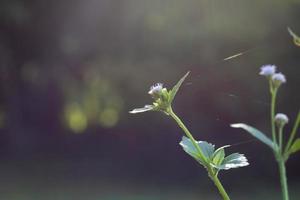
{"points": [[234, 160], [295, 146], [140, 110], [258, 134], [218, 157], [189, 148], [296, 38], [206, 148], [175, 89]]}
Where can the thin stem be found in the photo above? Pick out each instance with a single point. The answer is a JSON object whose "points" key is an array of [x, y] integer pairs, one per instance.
{"points": [[293, 133], [280, 138], [278, 154], [283, 179], [213, 175], [220, 187], [273, 102], [187, 132]]}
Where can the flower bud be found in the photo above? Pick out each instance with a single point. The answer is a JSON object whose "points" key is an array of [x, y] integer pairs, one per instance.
{"points": [[156, 90], [281, 119], [267, 70], [278, 79]]}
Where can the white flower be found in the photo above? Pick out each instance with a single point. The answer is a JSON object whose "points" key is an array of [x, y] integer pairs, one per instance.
{"points": [[267, 70], [156, 89], [278, 79], [162, 98], [281, 119]]}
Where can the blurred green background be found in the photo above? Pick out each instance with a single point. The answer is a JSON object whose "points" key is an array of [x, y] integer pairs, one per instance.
{"points": [[71, 70]]}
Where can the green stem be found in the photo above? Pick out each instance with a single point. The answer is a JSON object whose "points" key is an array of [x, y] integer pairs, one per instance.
{"points": [[283, 179], [220, 187], [218, 184], [273, 102], [293, 133], [280, 138], [187, 132], [278, 154], [213, 175]]}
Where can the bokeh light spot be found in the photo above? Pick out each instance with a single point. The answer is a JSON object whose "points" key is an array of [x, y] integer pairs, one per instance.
{"points": [[76, 118], [109, 117]]}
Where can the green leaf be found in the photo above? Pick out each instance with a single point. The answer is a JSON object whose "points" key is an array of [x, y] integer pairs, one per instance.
{"points": [[189, 148], [258, 134], [218, 157], [176, 87], [220, 148], [234, 160], [144, 109], [207, 148], [295, 146], [296, 38]]}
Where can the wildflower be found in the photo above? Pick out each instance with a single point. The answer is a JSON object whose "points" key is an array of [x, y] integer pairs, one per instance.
{"points": [[267, 70], [163, 98], [156, 90], [278, 79], [281, 119]]}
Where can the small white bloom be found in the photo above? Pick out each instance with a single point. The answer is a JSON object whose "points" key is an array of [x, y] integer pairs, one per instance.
{"points": [[278, 79], [281, 119], [267, 70], [156, 89]]}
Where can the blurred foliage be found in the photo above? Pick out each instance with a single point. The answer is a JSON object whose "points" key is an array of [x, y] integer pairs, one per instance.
{"points": [[90, 99], [296, 38]]}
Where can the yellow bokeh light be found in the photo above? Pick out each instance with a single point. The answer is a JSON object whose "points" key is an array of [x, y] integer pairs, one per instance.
{"points": [[109, 117], [76, 118]]}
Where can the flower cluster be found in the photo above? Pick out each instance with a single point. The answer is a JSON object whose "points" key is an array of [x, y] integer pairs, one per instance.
{"points": [[163, 97], [161, 100], [276, 79], [269, 71]]}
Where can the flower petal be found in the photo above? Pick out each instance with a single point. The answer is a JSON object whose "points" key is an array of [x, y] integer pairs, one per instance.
{"points": [[267, 70]]}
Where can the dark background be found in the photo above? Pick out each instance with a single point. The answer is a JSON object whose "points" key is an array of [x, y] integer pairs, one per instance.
{"points": [[71, 70]]}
